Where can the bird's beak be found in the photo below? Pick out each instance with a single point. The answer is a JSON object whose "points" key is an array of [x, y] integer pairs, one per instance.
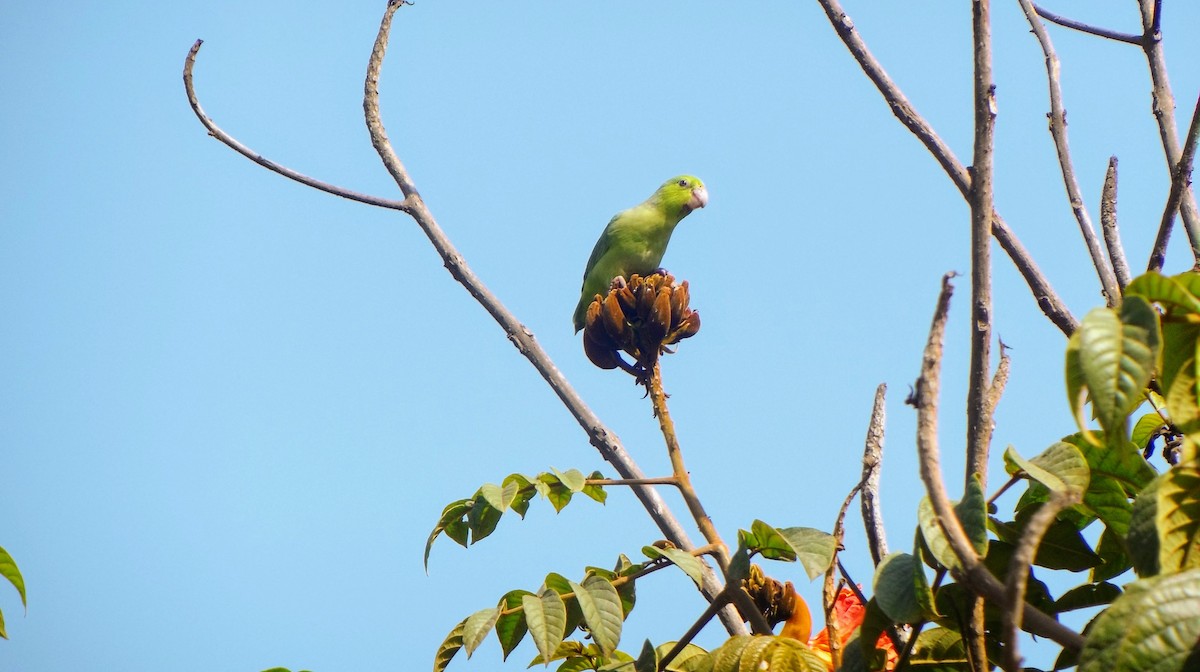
{"points": [[698, 200]]}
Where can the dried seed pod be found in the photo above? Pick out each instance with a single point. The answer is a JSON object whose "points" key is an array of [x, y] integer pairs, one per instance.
{"points": [[641, 317]]}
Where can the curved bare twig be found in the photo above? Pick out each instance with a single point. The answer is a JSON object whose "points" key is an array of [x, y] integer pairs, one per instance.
{"points": [[1047, 299], [1058, 130], [216, 132], [1063, 21], [1018, 572]]}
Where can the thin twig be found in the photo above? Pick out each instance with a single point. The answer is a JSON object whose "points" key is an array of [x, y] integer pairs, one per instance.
{"points": [[1018, 572], [999, 382], [721, 600], [829, 592], [1047, 299], [216, 132], [664, 480], [1087, 28], [658, 398], [971, 571], [1181, 175], [892, 631], [1108, 225], [1058, 130], [872, 509], [1163, 106]]}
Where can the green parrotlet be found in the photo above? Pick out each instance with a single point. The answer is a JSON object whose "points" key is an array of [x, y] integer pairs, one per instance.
{"points": [[636, 239]]}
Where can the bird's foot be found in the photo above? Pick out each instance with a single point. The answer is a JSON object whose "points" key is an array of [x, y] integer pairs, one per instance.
{"points": [[618, 283]]}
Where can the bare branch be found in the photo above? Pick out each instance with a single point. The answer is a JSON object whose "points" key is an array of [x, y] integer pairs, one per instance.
{"points": [[1018, 572], [1181, 180], [601, 437], [1086, 28], [872, 509], [999, 381], [1047, 299], [1163, 106], [231, 142], [829, 591], [972, 572], [1058, 130], [1108, 225]]}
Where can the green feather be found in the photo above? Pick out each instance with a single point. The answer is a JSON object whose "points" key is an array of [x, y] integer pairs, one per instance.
{"points": [[636, 239]]}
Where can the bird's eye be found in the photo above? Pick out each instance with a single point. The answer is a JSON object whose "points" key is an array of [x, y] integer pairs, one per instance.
{"points": [[683, 183]]}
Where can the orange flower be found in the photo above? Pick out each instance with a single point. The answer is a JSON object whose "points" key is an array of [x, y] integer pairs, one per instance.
{"points": [[848, 613]]}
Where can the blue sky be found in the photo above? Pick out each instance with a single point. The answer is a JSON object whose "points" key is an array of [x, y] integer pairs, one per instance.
{"points": [[232, 408]]}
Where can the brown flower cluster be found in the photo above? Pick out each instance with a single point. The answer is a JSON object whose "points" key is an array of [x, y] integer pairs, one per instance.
{"points": [[775, 600], [640, 317]]}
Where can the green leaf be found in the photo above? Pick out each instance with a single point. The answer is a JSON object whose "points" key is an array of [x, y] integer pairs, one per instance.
{"points": [[562, 585], [971, 512], [647, 660], [1152, 627], [685, 561], [764, 652], [449, 647], [524, 493], [601, 607], [1170, 292], [896, 590], [739, 562], [1179, 346], [453, 513], [1086, 596], [1114, 558], [555, 491], [568, 650], [572, 478], [939, 649], [596, 492], [510, 627], [875, 622], [1143, 531], [1145, 429], [546, 618], [498, 497], [1061, 467], [1062, 547], [814, 548], [770, 543], [691, 659], [1117, 353], [8, 569], [1182, 403], [1178, 518], [483, 517], [477, 626], [1116, 469], [1076, 382]]}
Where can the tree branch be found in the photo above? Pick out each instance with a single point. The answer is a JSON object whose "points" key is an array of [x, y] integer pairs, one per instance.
{"points": [[1163, 106], [1181, 180], [1047, 299], [971, 573], [216, 132], [1128, 38], [1108, 225], [1058, 130], [604, 440], [872, 510], [1018, 573]]}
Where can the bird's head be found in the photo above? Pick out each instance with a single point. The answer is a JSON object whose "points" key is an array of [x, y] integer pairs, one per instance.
{"points": [[682, 194]]}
